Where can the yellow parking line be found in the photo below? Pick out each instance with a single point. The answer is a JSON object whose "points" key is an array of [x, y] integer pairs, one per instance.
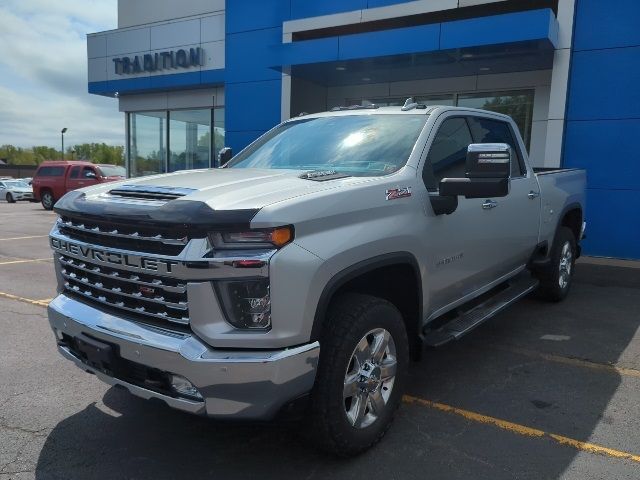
{"points": [[30, 260], [30, 301], [22, 238], [575, 362], [522, 429]]}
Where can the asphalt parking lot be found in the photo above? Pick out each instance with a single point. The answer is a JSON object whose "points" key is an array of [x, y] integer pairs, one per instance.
{"points": [[543, 391]]}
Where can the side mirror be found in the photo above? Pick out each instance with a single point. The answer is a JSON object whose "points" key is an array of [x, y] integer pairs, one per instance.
{"points": [[224, 156], [90, 175], [488, 168]]}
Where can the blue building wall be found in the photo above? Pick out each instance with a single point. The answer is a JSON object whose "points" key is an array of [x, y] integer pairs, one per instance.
{"points": [[603, 122], [252, 89]]}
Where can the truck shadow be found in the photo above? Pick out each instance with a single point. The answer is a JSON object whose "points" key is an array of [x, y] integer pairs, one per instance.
{"points": [[494, 371]]}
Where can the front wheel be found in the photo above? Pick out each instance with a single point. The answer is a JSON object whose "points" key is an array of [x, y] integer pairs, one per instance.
{"points": [[47, 200], [555, 281], [10, 198], [361, 374]]}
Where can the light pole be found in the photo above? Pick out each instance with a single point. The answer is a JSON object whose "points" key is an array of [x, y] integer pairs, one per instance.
{"points": [[63, 131]]}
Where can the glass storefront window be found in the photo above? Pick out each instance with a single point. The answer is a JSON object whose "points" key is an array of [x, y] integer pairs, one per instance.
{"points": [[449, 100], [518, 105], [166, 141], [147, 143], [189, 139]]}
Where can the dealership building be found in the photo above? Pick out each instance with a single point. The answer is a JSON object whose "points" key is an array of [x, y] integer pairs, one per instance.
{"points": [[197, 75]]}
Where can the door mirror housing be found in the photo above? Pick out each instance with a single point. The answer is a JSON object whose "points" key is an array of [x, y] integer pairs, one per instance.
{"points": [[224, 156], [488, 160], [488, 168]]}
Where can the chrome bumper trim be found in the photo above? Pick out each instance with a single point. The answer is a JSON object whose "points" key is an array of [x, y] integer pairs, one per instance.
{"points": [[234, 383]]}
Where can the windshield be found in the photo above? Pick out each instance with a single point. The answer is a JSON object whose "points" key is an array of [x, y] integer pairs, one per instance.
{"points": [[112, 171], [17, 184], [363, 145]]}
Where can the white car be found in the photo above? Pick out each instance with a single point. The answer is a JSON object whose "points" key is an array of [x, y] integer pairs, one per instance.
{"points": [[14, 190]]}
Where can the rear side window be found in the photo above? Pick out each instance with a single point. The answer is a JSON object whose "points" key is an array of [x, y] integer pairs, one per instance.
{"points": [[50, 172], [74, 172], [485, 130], [448, 152]]}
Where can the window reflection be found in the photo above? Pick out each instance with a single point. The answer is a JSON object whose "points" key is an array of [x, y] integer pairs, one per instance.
{"points": [[147, 143], [189, 139], [161, 141], [518, 105], [363, 144]]}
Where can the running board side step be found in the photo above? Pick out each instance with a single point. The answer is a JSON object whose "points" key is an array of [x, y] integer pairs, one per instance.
{"points": [[467, 321]]}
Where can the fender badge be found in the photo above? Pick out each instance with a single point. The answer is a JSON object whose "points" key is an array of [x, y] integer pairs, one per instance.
{"points": [[395, 193]]}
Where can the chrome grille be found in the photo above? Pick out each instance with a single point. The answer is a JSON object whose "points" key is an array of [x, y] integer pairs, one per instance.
{"points": [[130, 237], [145, 295]]}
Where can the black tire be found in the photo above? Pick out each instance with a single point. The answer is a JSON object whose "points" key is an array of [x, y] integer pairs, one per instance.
{"points": [[349, 318], [556, 279], [46, 198], [10, 198]]}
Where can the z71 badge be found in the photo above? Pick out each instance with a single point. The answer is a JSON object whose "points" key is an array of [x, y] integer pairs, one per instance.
{"points": [[395, 193]]}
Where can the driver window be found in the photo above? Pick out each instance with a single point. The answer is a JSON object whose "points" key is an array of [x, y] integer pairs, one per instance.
{"points": [[448, 153], [87, 170]]}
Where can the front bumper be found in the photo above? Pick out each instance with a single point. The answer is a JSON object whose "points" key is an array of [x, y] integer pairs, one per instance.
{"points": [[22, 196], [234, 384]]}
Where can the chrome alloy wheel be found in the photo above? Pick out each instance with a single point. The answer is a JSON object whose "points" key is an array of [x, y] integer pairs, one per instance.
{"points": [[369, 378], [566, 263]]}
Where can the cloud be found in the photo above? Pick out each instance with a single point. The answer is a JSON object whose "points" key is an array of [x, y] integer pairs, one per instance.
{"points": [[43, 73]]}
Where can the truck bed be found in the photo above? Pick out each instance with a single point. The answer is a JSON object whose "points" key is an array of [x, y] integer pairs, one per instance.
{"points": [[561, 189]]}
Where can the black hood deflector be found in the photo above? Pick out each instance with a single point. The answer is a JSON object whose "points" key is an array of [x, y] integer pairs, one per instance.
{"points": [[176, 213]]}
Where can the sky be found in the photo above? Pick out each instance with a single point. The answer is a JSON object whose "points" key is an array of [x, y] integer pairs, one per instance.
{"points": [[43, 74]]}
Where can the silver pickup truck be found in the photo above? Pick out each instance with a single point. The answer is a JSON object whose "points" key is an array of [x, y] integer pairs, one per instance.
{"points": [[313, 266]]}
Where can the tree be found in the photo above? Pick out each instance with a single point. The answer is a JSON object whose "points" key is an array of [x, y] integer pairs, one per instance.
{"points": [[98, 153], [92, 152]]}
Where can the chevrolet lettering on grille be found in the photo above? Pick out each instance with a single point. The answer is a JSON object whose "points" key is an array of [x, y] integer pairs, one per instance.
{"points": [[158, 265]]}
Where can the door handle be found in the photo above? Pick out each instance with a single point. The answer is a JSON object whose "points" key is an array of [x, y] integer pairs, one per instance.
{"points": [[489, 204], [533, 195]]}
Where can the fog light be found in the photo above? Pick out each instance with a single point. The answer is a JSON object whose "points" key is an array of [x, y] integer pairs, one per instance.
{"points": [[184, 387], [246, 303]]}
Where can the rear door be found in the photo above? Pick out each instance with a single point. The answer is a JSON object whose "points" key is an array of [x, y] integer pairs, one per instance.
{"points": [[82, 176], [520, 210], [73, 178]]}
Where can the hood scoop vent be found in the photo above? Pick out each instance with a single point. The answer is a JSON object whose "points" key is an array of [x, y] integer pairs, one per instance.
{"points": [[150, 192], [323, 175]]}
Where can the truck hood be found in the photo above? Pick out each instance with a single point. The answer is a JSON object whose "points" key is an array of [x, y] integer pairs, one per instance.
{"points": [[230, 189], [205, 197]]}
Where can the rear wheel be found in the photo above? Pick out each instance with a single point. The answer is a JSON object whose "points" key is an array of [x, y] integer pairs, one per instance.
{"points": [[555, 281], [47, 200], [10, 198], [360, 377]]}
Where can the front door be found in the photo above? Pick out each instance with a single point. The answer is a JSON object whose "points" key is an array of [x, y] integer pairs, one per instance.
{"points": [[475, 245]]}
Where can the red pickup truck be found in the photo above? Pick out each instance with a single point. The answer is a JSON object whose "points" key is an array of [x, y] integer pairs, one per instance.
{"points": [[53, 179]]}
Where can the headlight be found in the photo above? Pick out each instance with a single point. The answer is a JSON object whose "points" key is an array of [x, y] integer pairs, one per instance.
{"points": [[265, 238], [246, 303]]}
